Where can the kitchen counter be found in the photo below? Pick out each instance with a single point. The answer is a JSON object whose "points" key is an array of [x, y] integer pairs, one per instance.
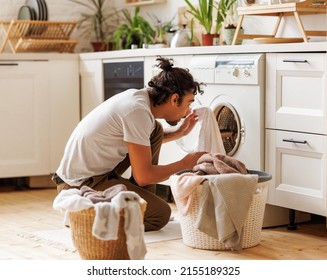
{"points": [[248, 48]]}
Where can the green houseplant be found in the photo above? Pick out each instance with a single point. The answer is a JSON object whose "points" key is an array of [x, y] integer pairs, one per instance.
{"points": [[136, 30], [204, 11], [203, 14], [97, 22], [223, 7]]}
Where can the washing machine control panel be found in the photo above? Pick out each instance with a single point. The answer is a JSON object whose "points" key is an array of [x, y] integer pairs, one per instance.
{"points": [[236, 69]]}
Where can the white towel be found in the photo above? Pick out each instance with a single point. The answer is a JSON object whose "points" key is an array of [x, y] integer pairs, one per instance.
{"points": [[209, 136], [71, 200], [106, 221]]}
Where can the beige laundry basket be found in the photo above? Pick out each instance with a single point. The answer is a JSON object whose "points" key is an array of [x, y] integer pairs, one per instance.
{"points": [[252, 227], [91, 248]]}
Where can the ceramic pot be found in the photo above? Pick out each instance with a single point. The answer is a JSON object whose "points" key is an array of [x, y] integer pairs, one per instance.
{"points": [[207, 39], [98, 46], [229, 35]]}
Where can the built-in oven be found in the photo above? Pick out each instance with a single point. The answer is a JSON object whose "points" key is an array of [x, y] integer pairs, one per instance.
{"points": [[122, 74]]}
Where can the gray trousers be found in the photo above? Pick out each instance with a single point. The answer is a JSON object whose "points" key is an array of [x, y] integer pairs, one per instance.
{"points": [[158, 212]]}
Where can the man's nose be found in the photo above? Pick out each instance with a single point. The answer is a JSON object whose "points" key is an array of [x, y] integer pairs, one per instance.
{"points": [[188, 112]]}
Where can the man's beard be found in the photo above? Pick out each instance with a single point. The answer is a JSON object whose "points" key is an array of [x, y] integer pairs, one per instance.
{"points": [[172, 123]]}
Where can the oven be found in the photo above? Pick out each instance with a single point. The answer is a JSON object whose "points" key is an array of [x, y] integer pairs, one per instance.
{"points": [[120, 75]]}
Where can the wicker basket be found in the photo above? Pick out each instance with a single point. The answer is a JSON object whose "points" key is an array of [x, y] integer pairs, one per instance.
{"points": [[91, 248], [252, 227]]}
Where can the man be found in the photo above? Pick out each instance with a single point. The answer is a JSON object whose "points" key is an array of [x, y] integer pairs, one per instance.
{"points": [[123, 132]]}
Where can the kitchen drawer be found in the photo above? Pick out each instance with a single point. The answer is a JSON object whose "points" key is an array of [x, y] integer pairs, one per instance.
{"points": [[301, 61], [296, 92], [298, 164]]}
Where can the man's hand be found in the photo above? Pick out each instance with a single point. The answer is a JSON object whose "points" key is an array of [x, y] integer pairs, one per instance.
{"points": [[188, 123], [184, 128]]}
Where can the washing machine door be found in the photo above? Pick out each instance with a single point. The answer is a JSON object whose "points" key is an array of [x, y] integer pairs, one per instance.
{"points": [[229, 123]]}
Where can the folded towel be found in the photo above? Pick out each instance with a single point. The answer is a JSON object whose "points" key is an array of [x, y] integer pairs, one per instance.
{"points": [[215, 163], [102, 196], [224, 205]]}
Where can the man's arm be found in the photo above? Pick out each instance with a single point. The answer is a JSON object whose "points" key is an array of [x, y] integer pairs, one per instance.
{"points": [[145, 173]]}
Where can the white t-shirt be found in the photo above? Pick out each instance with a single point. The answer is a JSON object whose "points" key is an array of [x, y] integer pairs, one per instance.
{"points": [[99, 142]]}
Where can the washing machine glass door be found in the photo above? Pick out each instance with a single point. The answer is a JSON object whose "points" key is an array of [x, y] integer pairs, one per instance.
{"points": [[230, 127]]}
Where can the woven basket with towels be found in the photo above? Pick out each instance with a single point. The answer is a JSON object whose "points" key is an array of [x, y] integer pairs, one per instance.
{"points": [[104, 225], [195, 238], [90, 247]]}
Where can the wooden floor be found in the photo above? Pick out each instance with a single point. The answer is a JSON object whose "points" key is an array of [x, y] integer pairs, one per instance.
{"points": [[30, 210]]}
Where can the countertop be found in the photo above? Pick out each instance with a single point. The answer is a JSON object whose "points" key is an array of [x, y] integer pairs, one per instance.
{"points": [[248, 48]]}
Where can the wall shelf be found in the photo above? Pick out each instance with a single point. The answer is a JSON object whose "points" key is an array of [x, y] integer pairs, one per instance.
{"points": [[295, 9], [143, 2], [37, 36]]}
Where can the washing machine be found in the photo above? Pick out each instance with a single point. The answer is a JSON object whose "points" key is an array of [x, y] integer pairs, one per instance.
{"points": [[234, 91]]}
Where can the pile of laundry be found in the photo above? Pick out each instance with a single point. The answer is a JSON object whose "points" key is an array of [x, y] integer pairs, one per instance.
{"points": [[108, 205], [225, 198]]}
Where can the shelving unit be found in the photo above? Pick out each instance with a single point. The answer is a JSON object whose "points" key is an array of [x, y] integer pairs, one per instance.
{"points": [[143, 2], [37, 36], [295, 9]]}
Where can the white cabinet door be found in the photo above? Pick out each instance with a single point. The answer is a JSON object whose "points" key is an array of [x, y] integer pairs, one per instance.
{"points": [[64, 106], [297, 162], [296, 92], [24, 118], [92, 92]]}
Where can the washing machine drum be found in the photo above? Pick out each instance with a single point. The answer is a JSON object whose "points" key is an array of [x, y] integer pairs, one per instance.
{"points": [[229, 125]]}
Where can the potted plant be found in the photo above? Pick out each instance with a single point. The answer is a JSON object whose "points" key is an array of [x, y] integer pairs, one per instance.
{"points": [[135, 31], [162, 28], [230, 27], [223, 8], [203, 14], [97, 23]]}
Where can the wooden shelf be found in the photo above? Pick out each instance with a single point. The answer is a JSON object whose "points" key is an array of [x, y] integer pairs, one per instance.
{"points": [[295, 9], [143, 2], [38, 36]]}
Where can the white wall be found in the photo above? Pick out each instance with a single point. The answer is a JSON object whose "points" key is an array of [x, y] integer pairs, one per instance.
{"points": [[65, 10]]}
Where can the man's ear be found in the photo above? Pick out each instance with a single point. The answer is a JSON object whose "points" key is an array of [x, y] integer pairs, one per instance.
{"points": [[174, 99]]}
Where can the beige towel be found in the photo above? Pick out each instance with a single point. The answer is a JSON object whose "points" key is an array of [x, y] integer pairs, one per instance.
{"points": [[182, 187], [224, 204], [102, 196], [215, 163]]}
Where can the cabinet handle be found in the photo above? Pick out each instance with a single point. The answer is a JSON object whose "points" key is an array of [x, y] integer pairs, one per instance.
{"points": [[295, 60], [295, 141], [8, 64]]}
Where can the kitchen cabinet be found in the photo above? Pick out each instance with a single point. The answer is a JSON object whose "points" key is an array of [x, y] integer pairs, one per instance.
{"points": [[92, 91], [39, 107], [296, 143]]}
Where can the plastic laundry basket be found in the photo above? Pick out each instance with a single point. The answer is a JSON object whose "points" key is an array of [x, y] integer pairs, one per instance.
{"points": [[194, 238]]}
